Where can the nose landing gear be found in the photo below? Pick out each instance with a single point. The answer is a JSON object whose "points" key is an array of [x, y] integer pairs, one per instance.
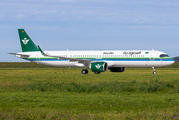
{"points": [[154, 72]]}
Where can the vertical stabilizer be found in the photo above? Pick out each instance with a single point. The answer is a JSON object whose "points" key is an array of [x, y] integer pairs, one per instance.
{"points": [[26, 42]]}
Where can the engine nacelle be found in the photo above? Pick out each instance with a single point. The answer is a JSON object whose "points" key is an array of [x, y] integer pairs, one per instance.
{"points": [[99, 66], [117, 69]]}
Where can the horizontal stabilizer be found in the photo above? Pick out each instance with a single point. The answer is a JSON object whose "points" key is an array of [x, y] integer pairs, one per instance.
{"points": [[21, 55]]}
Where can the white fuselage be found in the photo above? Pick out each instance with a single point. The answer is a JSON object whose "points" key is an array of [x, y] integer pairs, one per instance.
{"points": [[118, 58]]}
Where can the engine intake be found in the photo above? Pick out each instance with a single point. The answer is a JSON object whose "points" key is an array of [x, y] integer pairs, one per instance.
{"points": [[99, 66]]}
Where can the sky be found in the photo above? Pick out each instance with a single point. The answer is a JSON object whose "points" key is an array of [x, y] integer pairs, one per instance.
{"points": [[90, 25]]}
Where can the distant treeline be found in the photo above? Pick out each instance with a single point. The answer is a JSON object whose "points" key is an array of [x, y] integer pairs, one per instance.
{"points": [[23, 65], [35, 65], [176, 59]]}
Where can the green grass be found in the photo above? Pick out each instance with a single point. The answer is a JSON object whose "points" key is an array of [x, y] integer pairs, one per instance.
{"points": [[30, 91]]}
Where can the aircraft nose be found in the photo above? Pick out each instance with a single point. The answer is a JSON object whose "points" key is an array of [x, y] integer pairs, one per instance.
{"points": [[173, 61]]}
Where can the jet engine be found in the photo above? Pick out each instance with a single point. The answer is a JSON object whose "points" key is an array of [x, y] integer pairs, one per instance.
{"points": [[117, 69], [99, 66]]}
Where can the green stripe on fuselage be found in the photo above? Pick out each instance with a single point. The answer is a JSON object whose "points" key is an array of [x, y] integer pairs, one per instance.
{"points": [[101, 58]]}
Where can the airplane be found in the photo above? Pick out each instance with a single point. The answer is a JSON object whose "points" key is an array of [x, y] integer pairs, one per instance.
{"points": [[98, 61]]}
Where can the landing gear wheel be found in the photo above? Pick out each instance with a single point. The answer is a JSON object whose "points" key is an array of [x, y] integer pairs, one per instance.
{"points": [[97, 72], [84, 71], [154, 72]]}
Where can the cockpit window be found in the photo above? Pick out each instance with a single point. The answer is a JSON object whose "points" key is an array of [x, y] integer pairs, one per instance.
{"points": [[164, 55]]}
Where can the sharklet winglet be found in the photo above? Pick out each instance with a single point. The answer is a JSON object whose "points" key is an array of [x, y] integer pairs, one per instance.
{"points": [[42, 52]]}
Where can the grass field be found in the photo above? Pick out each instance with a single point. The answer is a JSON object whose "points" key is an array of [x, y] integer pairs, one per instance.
{"points": [[31, 91]]}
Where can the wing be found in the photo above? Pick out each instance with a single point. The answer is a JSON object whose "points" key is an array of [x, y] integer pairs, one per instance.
{"points": [[83, 61]]}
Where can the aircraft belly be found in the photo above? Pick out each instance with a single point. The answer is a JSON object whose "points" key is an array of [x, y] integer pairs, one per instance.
{"points": [[58, 63], [142, 63], [114, 64]]}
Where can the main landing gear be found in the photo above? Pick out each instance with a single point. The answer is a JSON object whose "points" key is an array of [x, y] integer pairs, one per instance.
{"points": [[154, 72], [84, 71]]}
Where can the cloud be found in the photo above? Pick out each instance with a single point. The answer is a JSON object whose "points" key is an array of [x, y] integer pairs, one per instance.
{"points": [[138, 11], [138, 22]]}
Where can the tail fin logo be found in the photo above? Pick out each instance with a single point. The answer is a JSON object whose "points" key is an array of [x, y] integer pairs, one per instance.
{"points": [[25, 41]]}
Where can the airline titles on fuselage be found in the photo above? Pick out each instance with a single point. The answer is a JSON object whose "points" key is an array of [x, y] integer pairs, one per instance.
{"points": [[125, 53], [131, 53], [108, 52]]}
